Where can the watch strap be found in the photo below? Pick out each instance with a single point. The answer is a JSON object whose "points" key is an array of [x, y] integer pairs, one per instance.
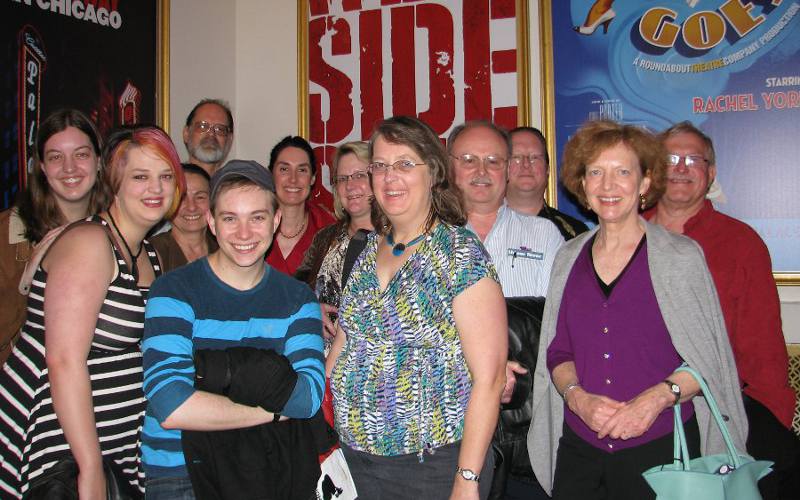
{"points": [[675, 389]]}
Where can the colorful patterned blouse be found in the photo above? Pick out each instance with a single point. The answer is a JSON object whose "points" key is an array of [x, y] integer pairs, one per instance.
{"points": [[401, 384]]}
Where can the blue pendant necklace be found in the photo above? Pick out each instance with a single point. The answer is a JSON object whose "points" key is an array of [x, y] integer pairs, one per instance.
{"points": [[399, 248]]}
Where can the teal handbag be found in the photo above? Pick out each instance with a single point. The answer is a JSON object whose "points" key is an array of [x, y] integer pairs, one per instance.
{"points": [[727, 476]]}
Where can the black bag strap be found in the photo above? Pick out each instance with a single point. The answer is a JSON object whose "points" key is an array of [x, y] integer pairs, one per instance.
{"points": [[354, 249]]}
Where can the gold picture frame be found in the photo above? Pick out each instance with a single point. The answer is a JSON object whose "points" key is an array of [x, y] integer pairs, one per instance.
{"points": [[522, 52], [548, 101]]}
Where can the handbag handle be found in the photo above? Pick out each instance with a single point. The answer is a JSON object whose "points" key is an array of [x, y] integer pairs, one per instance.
{"points": [[712, 406], [680, 453]]}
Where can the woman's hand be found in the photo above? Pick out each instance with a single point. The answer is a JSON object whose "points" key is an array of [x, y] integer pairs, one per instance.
{"points": [[328, 325], [92, 483], [593, 409], [39, 251], [637, 415], [464, 490]]}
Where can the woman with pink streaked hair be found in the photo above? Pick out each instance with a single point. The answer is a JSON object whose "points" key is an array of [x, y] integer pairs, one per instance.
{"points": [[72, 400]]}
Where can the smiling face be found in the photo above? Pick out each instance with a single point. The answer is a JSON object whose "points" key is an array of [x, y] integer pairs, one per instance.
{"points": [[613, 183], [191, 216], [529, 177], [480, 186], [70, 165], [244, 223], [687, 186], [405, 197], [147, 187], [292, 176], [354, 194]]}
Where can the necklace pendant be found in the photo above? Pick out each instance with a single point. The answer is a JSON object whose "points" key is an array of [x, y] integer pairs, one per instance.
{"points": [[398, 250]]}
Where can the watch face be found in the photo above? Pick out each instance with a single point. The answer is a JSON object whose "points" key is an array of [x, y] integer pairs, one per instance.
{"points": [[675, 388], [468, 474]]}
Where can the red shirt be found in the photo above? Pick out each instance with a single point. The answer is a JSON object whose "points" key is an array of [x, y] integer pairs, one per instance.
{"points": [[317, 219], [742, 271]]}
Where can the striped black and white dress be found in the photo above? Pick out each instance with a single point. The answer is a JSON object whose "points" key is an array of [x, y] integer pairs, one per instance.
{"points": [[31, 439]]}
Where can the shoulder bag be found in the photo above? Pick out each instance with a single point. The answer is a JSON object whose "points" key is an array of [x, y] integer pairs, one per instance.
{"points": [[727, 476]]}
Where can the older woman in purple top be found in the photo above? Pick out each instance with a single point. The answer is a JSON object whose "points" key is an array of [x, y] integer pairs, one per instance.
{"points": [[615, 341]]}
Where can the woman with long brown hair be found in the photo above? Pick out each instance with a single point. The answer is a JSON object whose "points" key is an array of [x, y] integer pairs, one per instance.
{"points": [[63, 187]]}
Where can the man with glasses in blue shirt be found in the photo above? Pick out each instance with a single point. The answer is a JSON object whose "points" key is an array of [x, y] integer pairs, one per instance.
{"points": [[522, 248], [208, 134]]}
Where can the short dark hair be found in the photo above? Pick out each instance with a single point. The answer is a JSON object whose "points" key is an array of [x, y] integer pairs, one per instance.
{"points": [[539, 135], [501, 132], [219, 102], [293, 141], [238, 181], [594, 137], [446, 202], [191, 168], [687, 127]]}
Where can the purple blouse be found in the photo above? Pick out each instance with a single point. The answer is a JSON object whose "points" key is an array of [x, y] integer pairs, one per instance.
{"points": [[620, 344]]}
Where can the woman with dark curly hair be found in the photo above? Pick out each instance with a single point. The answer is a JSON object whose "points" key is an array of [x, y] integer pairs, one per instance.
{"points": [[418, 363], [294, 169]]}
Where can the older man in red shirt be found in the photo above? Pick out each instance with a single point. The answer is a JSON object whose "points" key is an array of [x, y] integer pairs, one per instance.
{"points": [[742, 271]]}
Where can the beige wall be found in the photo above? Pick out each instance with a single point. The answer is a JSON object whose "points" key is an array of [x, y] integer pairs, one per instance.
{"points": [[243, 51], [252, 48]]}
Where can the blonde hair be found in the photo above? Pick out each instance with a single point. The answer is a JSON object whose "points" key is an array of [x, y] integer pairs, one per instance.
{"points": [[361, 150]]}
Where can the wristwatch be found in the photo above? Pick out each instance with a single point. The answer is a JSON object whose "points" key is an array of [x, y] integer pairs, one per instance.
{"points": [[675, 389], [468, 474]]}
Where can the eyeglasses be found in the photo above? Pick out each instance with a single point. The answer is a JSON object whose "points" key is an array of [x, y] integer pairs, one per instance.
{"points": [[696, 161], [519, 160], [404, 166], [358, 175], [217, 128], [471, 162]]}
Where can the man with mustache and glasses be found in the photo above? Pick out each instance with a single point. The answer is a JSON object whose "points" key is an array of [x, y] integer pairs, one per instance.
{"points": [[208, 134], [742, 271], [522, 248]]}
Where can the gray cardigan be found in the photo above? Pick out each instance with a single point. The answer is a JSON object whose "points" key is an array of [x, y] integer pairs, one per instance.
{"points": [[690, 307]]}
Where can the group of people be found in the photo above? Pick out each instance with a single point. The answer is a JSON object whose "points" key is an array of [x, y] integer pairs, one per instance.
{"points": [[190, 359]]}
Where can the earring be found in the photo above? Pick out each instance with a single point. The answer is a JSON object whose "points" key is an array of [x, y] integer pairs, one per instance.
{"points": [[642, 201]]}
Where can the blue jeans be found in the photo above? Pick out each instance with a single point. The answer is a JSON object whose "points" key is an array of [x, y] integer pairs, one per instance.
{"points": [[169, 488]]}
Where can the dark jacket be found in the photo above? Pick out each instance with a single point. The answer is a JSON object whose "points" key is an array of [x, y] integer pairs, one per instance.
{"points": [[510, 438], [270, 461]]}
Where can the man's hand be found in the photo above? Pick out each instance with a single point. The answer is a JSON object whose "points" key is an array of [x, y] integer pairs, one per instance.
{"points": [[328, 325], [512, 369]]}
